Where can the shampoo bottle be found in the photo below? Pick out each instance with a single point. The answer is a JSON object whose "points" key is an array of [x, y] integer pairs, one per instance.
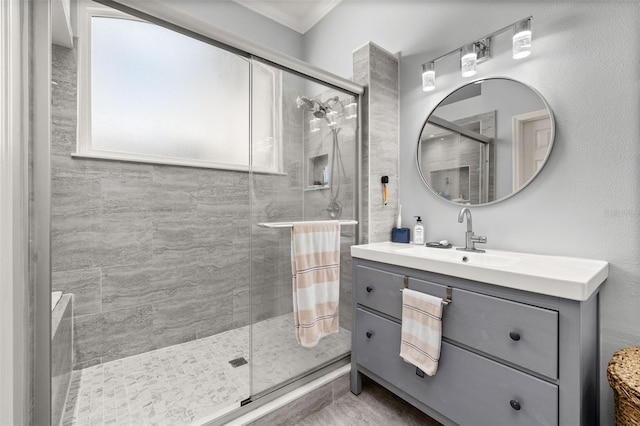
{"points": [[325, 176], [418, 231]]}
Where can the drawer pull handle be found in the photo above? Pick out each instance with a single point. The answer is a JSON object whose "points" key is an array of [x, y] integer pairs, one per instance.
{"points": [[369, 334], [515, 336], [515, 404], [369, 289]]}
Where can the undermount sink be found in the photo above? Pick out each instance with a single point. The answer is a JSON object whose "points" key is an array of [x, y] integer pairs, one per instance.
{"points": [[453, 255], [566, 277]]}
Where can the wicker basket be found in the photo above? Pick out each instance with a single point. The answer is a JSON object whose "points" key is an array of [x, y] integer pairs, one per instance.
{"points": [[623, 373]]}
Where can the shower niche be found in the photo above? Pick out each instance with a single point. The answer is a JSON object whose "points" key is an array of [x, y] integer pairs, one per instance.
{"points": [[317, 172]]}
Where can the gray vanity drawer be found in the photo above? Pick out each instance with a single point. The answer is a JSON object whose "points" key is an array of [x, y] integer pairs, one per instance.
{"points": [[482, 322], [467, 388], [428, 287], [523, 334], [380, 290]]}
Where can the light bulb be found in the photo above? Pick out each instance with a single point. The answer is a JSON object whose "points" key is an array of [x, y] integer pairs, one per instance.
{"points": [[469, 60], [522, 39], [428, 76], [314, 125]]}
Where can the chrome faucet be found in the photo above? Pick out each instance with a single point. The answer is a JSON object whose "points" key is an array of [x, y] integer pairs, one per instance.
{"points": [[470, 239]]}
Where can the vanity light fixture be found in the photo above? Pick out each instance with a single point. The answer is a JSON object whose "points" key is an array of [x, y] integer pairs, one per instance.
{"points": [[428, 76], [474, 53], [469, 60], [522, 39]]}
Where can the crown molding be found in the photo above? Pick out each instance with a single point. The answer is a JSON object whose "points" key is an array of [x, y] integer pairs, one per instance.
{"points": [[300, 15]]}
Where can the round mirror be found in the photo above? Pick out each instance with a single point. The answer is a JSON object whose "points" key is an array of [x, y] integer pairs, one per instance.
{"points": [[485, 141]]}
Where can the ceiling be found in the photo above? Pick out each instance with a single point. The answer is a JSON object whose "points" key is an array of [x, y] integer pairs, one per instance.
{"points": [[299, 15]]}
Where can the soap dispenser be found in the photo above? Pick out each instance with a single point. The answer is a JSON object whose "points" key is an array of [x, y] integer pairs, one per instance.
{"points": [[418, 231]]}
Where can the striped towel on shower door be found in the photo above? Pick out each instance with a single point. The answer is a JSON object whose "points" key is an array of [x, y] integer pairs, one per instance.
{"points": [[315, 265]]}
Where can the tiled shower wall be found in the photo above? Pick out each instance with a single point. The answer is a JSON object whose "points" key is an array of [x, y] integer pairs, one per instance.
{"points": [[158, 255]]}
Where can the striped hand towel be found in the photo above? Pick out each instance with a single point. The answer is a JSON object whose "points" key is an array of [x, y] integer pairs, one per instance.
{"points": [[421, 330], [315, 264]]}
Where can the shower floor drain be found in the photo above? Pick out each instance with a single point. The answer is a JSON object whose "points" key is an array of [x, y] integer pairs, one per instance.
{"points": [[238, 362]]}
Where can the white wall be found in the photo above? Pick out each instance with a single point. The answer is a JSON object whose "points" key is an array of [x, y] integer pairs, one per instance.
{"points": [[586, 201]]}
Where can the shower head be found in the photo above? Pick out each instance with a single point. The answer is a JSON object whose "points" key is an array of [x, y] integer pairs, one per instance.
{"points": [[306, 103], [318, 109]]}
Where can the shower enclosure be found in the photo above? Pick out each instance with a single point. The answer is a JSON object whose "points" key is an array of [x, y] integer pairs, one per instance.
{"points": [[172, 235]]}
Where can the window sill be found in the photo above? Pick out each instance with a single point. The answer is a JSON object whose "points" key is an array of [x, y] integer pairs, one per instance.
{"points": [[179, 162]]}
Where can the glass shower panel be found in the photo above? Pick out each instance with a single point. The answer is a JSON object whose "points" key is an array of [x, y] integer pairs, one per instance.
{"points": [[150, 260], [313, 141]]}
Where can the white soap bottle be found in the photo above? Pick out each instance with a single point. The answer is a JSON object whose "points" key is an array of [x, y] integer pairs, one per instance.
{"points": [[418, 231]]}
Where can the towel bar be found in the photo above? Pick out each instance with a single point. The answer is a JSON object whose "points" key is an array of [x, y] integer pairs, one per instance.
{"points": [[445, 301], [290, 224]]}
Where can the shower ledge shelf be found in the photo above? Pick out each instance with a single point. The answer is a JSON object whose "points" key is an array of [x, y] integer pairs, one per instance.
{"points": [[290, 224], [316, 187]]}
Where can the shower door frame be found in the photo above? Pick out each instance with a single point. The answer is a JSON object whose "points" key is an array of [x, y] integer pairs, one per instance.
{"points": [[39, 41], [15, 366], [39, 45]]}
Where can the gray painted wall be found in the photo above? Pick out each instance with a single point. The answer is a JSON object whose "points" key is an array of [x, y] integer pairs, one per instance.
{"points": [[586, 201]]}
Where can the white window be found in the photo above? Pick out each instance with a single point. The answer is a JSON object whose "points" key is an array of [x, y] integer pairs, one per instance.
{"points": [[154, 95]]}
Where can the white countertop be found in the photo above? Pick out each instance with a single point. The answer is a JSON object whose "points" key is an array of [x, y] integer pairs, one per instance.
{"points": [[565, 277]]}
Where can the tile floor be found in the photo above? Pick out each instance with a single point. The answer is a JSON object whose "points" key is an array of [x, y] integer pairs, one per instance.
{"points": [[375, 406], [180, 384]]}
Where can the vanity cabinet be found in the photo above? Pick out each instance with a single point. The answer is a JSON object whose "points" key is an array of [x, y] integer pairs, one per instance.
{"points": [[508, 357]]}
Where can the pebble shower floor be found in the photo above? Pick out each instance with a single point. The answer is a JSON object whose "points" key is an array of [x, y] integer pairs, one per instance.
{"points": [[181, 384]]}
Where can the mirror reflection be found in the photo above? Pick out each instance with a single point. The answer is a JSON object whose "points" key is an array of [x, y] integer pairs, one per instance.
{"points": [[485, 141]]}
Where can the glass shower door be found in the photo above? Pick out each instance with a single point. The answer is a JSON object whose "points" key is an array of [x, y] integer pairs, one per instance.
{"points": [[303, 169], [150, 256]]}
